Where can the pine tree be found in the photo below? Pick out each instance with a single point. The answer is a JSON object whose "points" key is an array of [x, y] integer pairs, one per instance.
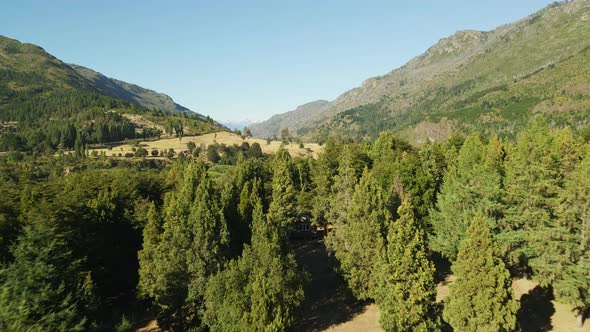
{"points": [[151, 239], [276, 282], [209, 241], [175, 266], [472, 183], [361, 238], [237, 206], [532, 184], [323, 172], [43, 289], [404, 286], [340, 201], [284, 196], [570, 265], [260, 290], [481, 298]]}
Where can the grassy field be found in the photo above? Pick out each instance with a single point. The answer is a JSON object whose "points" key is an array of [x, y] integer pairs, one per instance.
{"points": [[538, 312], [222, 137]]}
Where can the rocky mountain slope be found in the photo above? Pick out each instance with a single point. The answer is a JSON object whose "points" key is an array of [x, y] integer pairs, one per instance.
{"points": [[292, 120], [490, 81]]}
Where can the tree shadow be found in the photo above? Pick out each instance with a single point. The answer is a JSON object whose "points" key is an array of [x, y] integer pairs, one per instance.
{"points": [[328, 301], [442, 266], [536, 310]]}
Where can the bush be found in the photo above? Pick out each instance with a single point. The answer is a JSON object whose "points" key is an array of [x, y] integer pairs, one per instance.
{"points": [[155, 153], [170, 154], [15, 156], [124, 325], [129, 155], [212, 154], [191, 146], [141, 152]]}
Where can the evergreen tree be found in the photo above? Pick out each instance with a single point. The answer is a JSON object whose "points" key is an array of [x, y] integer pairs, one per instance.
{"points": [[260, 290], [276, 282], [284, 196], [147, 256], [570, 263], [481, 298], [340, 201], [189, 250], [323, 172], [360, 240], [43, 289], [404, 278], [532, 185], [237, 204], [472, 183], [209, 240]]}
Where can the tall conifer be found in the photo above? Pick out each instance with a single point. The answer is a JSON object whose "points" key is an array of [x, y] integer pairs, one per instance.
{"points": [[361, 239], [481, 299], [472, 183], [404, 285]]}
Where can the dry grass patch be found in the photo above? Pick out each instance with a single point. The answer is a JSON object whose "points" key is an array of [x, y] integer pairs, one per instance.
{"points": [[222, 137]]}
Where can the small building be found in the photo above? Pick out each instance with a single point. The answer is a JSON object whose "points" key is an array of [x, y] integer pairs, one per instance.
{"points": [[302, 227]]}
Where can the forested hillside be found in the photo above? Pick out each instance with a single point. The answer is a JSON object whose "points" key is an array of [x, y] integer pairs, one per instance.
{"points": [[46, 106], [490, 81]]}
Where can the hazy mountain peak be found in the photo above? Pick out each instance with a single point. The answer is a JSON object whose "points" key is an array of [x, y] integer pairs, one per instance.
{"points": [[292, 119]]}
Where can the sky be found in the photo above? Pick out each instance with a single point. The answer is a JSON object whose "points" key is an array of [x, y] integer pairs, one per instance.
{"points": [[247, 59]]}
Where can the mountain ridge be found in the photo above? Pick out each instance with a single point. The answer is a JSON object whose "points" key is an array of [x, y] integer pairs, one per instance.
{"points": [[46, 106], [290, 120], [134, 93], [460, 71]]}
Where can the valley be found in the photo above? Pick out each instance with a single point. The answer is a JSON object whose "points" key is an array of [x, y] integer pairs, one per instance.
{"points": [[451, 193]]}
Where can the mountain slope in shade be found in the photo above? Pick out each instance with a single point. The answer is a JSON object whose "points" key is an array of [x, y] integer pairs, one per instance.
{"points": [[118, 89], [292, 120], [475, 80]]}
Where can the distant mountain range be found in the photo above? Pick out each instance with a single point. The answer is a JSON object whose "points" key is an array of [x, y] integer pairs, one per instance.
{"points": [[489, 81], [237, 125]]}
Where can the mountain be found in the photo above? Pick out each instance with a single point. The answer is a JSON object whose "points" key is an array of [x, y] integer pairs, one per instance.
{"points": [[118, 89], [237, 125], [46, 105], [490, 81], [292, 120]]}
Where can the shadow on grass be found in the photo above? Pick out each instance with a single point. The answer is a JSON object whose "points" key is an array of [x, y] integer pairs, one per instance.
{"points": [[328, 300], [536, 310], [442, 265]]}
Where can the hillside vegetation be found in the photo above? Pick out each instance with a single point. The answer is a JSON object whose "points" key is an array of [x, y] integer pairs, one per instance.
{"points": [[488, 81], [45, 105], [118, 89]]}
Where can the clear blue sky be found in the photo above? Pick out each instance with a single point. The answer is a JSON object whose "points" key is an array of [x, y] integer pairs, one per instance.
{"points": [[247, 59]]}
